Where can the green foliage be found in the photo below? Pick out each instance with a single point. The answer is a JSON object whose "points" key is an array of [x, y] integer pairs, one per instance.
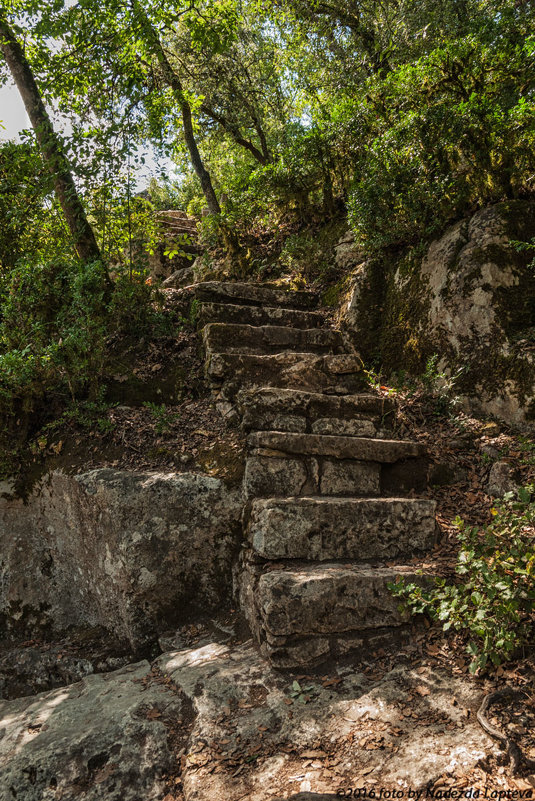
{"points": [[30, 223], [163, 418], [448, 133], [89, 415], [302, 694], [194, 312], [525, 246], [310, 256], [439, 386], [52, 331], [412, 114], [56, 321], [136, 308], [492, 600]]}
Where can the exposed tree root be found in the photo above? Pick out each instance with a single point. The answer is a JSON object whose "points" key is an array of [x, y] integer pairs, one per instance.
{"points": [[517, 759]]}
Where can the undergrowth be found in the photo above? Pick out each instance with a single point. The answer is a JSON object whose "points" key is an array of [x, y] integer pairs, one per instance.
{"points": [[60, 323], [491, 600]]}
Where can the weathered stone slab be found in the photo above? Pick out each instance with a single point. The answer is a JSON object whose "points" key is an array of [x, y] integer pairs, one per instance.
{"points": [[299, 653], [106, 737], [234, 338], [331, 426], [328, 599], [322, 529], [267, 475], [338, 374], [268, 409], [315, 404], [123, 550], [257, 315], [349, 478], [375, 450], [253, 295]]}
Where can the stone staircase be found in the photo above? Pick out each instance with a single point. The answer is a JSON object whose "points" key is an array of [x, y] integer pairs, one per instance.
{"points": [[330, 514]]}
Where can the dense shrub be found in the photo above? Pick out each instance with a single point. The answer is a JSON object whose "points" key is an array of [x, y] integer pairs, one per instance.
{"points": [[492, 600], [447, 134], [55, 322]]}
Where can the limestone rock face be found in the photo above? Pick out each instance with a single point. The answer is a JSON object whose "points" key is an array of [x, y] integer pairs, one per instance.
{"points": [[471, 300], [238, 696], [122, 550], [25, 671], [105, 737]]}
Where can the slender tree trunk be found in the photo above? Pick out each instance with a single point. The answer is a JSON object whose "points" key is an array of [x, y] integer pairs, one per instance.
{"points": [[49, 145], [263, 142], [173, 81], [262, 157], [195, 156]]}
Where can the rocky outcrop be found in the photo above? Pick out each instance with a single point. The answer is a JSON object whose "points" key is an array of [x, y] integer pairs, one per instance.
{"points": [[470, 300], [253, 740], [502, 479], [112, 736], [130, 552], [217, 723]]}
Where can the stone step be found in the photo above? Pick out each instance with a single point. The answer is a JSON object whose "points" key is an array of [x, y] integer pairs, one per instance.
{"points": [[286, 464], [268, 476], [274, 409], [326, 529], [266, 339], [257, 315], [253, 295], [336, 375], [308, 613], [362, 449]]}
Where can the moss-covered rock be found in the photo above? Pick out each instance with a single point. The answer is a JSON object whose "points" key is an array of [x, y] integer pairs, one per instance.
{"points": [[470, 299]]}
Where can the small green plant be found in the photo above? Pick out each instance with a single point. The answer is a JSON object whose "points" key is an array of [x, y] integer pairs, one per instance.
{"points": [[439, 386], [492, 600], [432, 376], [194, 312], [163, 418], [527, 446], [373, 378], [525, 246], [302, 694], [86, 414]]}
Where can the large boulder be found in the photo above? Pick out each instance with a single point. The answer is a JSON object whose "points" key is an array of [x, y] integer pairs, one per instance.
{"points": [[123, 550], [471, 300]]}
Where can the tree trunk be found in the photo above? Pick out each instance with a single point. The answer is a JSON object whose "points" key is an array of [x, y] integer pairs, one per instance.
{"points": [[49, 145], [195, 156], [262, 157], [173, 81]]}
